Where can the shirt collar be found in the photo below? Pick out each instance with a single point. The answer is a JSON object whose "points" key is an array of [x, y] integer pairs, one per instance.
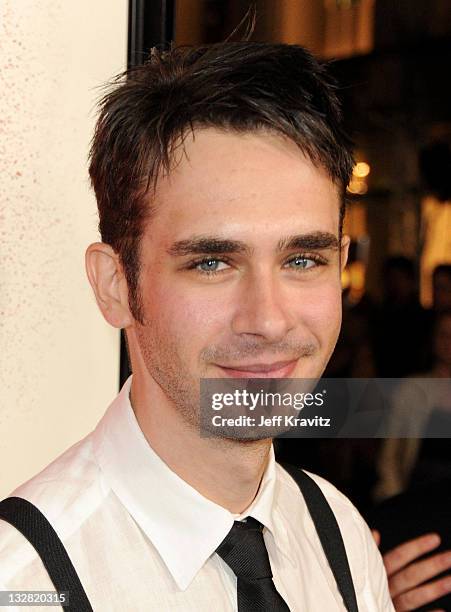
{"points": [[184, 526]]}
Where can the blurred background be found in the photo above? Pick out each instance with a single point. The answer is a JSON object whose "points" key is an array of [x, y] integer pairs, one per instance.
{"points": [[391, 60], [61, 364]]}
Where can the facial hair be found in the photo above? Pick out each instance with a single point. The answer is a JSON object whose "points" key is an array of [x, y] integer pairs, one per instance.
{"points": [[165, 364]]}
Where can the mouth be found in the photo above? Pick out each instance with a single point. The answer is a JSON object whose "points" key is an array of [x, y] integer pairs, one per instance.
{"points": [[279, 369]]}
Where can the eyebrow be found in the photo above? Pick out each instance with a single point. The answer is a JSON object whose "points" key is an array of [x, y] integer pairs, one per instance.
{"points": [[208, 244], [313, 241], [215, 245]]}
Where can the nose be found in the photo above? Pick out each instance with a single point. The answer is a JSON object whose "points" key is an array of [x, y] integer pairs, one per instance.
{"points": [[264, 309]]}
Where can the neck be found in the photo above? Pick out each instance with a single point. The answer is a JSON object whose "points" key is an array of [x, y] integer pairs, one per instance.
{"points": [[199, 461]]}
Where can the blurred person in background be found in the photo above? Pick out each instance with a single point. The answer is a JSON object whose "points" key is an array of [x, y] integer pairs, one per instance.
{"points": [[415, 484], [400, 329], [415, 476], [411, 460], [400, 457]]}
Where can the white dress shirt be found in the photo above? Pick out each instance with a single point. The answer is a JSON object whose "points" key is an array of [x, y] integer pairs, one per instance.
{"points": [[142, 539]]}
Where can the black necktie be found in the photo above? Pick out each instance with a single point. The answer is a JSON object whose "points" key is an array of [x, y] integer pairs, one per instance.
{"points": [[244, 551]]}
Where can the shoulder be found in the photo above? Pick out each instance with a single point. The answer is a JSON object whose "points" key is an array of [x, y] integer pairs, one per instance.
{"points": [[66, 492], [364, 558], [337, 500], [353, 528]]}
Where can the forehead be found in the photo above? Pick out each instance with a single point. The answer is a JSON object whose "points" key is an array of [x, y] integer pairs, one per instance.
{"points": [[231, 182]]}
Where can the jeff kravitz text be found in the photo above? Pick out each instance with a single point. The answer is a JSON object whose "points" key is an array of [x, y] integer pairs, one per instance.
{"points": [[273, 421]]}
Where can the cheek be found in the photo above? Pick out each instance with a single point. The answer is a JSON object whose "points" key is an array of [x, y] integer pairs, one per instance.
{"points": [[191, 317], [320, 310]]}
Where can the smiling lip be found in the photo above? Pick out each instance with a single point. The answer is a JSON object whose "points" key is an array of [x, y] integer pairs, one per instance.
{"points": [[280, 369]]}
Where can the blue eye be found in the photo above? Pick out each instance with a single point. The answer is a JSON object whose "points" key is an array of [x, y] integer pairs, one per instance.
{"points": [[302, 263], [209, 265]]}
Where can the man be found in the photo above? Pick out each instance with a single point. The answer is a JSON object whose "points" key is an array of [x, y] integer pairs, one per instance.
{"points": [[220, 175]]}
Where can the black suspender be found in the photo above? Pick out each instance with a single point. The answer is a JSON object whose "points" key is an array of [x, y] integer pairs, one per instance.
{"points": [[30, 521], [25, 517], [329, 534]]}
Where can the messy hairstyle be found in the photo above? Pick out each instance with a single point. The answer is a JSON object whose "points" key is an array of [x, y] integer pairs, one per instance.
{"points": [[236, 86]]}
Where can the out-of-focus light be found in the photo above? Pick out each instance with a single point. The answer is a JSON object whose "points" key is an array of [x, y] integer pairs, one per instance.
{"points": [[361, 170], [357, 186], [346, 4], [353, 281], [345, 279]]}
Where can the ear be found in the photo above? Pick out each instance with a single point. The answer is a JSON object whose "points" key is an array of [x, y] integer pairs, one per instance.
{"points": [[108, 282], [344, 251]]}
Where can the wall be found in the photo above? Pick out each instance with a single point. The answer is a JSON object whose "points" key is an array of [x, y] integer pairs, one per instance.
{"points": [[59, 360]]}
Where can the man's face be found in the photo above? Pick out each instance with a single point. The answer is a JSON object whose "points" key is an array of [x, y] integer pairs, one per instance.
{"points": [[240, 266]]}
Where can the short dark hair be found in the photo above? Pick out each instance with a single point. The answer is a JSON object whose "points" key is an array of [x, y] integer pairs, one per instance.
{"points": [[236, 86]]}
